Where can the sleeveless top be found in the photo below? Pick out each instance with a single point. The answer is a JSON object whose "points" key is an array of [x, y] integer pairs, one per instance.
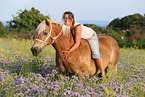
{"points": [[86, 31]]}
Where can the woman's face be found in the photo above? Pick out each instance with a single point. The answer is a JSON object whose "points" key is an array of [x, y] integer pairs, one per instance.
{"points": [[68, 20]]}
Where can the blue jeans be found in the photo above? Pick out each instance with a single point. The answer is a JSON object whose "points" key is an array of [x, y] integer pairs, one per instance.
{"points": [[94, 45]]}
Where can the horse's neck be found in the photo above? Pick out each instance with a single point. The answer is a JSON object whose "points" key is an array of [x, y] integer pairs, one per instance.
{"points": [[63, 43]]}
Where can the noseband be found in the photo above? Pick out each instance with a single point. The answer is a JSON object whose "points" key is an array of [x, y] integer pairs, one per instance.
{"points": [[53, 38]]}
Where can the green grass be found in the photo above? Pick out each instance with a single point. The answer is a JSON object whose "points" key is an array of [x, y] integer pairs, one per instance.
{"points": [[22, 74]]}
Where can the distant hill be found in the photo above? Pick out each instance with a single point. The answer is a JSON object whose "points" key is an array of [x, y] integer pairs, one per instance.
{"points": [[96, 22]]}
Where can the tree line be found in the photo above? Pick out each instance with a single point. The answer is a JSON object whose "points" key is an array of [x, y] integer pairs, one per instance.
{"points": [[23, 25], [128, 31]]}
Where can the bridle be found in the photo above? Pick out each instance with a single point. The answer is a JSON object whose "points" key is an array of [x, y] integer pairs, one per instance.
{"points": [[53, 38]]}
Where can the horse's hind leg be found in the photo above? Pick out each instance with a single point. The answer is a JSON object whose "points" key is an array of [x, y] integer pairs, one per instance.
{"points": [[115, 70], [111, 70], [81, 75]]}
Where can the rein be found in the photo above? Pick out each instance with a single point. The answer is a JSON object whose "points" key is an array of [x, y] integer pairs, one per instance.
{"points": [[53, 38]]}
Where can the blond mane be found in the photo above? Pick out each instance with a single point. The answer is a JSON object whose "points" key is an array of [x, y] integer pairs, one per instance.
{"points": [[42, 26], [65, 29]]}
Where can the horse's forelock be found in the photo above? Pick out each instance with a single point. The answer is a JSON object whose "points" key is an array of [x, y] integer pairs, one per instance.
{"points": [[41, 27]]}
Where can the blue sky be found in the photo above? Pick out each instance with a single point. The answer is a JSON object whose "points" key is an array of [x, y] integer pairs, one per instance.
{"points": [[83, 9]]}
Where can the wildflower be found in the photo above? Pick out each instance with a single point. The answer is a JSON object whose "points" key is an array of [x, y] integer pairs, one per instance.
{"points": [[18, 94], [75, 77], [54, 72], [68, 91], [17, 90], [110, 83], [76, 94], [116, 88], [43, 91], [5, 89], [130, 88]]}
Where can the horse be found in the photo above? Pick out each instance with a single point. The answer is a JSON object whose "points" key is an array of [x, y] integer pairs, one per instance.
{"points": [[79, 62]]}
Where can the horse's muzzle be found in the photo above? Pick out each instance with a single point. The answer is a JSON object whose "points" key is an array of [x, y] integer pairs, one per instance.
{"points": [[35, 51]]}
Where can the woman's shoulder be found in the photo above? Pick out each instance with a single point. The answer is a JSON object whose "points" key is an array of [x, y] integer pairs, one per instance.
{"points": [[77, 23]]}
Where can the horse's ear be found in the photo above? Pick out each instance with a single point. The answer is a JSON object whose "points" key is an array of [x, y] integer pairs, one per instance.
{"points": [[39, 20], [47, 22]]}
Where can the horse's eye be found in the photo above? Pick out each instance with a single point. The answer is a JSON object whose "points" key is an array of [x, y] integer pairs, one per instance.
{"points": [[45, 33]]}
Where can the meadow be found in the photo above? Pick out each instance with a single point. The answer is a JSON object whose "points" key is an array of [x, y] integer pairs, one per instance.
{"points": [[23, 75]]}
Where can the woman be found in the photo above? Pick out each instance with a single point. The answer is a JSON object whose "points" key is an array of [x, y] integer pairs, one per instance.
{"points": [[80, 31]]}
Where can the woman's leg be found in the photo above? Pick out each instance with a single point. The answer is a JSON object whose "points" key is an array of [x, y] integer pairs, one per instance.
{"points": [[100, 65], [94, 45]]}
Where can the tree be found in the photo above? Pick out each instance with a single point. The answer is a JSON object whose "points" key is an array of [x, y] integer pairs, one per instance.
{"points": [[2, 29], [96, 28], [26, 21], [136, 21], [115, 23]]}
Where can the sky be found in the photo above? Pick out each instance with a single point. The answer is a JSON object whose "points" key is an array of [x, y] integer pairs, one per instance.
{"points": [[106, 10]]}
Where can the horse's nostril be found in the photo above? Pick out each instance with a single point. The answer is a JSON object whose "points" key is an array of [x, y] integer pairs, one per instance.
{"points": [[35, 49]]}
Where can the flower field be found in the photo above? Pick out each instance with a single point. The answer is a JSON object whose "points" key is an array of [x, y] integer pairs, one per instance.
{"points": [[23, 75]]}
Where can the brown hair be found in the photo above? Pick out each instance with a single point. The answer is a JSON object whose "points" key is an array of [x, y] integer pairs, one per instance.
{"points": [[70, 15]]}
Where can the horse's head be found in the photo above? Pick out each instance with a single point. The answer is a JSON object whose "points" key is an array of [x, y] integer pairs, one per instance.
{"points": [[45, 36]]}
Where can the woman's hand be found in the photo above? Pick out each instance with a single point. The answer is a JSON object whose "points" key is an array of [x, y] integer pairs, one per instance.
{"points": [[65, 54]]}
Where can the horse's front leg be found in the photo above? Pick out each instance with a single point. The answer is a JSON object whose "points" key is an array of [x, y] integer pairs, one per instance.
{"points": [[59, 64]]}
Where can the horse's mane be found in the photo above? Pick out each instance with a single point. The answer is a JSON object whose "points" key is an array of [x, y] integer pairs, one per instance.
{"points": [[65, 29], [42, 26]]}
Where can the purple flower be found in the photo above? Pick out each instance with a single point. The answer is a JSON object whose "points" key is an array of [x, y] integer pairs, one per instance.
{"points": [[75, 77], [76, 94], [135, 76], [43, 91], [121, 66], [39, 75], [130, 88], [70, 88], [55, 93], [34, 91], [116, 88], [103, 86], [17, 90], [117, 95], [128, 84], [55, 88], [110, 83], [79, 85], [5, 89], [33, 86], [68, 91], [143, 89], [18, 94]]}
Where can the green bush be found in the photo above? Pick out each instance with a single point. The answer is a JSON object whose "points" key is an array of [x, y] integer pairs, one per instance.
{"points": [[4, 36], [14, 37]]}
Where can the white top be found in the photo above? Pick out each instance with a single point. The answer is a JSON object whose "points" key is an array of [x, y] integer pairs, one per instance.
{"points": [[86, 31]]}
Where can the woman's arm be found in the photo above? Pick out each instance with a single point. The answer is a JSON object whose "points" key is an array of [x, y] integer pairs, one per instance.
{"points": [[77, 33]]}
